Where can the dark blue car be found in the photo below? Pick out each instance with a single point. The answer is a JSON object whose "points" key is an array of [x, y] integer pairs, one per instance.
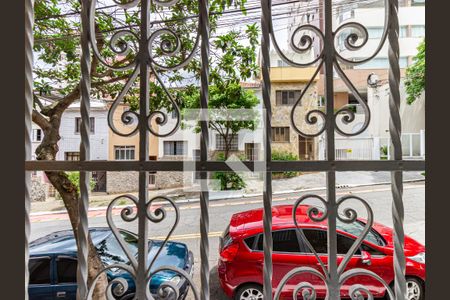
{"points": [[53, 263]]}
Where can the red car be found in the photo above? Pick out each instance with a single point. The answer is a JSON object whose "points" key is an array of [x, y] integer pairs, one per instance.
{"points": [[240, 264]]}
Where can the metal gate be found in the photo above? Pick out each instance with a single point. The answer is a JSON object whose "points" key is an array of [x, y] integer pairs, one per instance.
{"points": [[328, 59]]}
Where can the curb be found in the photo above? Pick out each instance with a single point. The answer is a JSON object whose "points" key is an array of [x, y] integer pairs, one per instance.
{"points": [[195, 200]]}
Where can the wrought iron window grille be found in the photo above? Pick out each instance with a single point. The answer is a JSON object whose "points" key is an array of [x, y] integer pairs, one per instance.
{"points": [[329, 59]]}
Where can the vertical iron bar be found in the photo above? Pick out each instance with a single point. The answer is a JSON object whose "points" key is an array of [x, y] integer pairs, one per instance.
{"points": [[204, 145], [29, 20], [83, 204], [331, 174], [142, 289], [266, 19], [395, 131]]}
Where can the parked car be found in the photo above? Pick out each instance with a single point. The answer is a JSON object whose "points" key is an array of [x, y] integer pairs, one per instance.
{"points": [[53, 263], [240, 265]]}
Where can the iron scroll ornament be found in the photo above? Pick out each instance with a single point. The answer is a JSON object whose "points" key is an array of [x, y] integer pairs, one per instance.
{"points": [[118, 287], [353, 41], [125, 42], [306, 289]]}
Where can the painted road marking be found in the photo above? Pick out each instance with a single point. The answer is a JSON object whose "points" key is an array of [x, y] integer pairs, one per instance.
{"points": [[116, 212]]}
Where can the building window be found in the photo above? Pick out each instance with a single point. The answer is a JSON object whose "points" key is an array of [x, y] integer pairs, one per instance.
{"points": [[381, 63], [175, 147], [280, 134], [233, 144], [72, 156], [321, 101], [418, 31], [374, 32], [78, 124], [418, 2], [403, 31], [152, 179], [37, 135], [252, 151], [287, 97], [124, 152]]}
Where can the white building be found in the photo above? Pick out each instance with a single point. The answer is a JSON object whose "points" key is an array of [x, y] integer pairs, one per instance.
{"points": [[412, 117], [412, 31], [69, 145], [185, 144], [372, 143]]}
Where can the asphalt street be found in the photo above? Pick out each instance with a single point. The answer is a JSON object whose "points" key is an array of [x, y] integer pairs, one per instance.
{"points": [[187, 231]]}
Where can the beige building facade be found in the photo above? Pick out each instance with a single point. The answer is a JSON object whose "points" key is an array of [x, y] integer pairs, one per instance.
{"points": [[287, 84], [127, 148]]}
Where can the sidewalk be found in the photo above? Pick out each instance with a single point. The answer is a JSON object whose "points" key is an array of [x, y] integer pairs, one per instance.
{"points": [[311, 181]]}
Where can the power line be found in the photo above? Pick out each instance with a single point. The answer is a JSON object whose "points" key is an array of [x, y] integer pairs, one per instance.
{"points": [[236, 21]]}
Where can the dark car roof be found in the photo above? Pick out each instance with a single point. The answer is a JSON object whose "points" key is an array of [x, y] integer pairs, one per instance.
{"points": [[64, 241]]}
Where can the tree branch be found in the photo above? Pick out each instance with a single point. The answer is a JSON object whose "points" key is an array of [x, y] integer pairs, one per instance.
{"points": [[38, 102], [40, 120], [75, 94]]}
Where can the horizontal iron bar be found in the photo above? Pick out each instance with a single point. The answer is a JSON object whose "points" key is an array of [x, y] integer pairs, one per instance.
{"points": [[211, 166]]}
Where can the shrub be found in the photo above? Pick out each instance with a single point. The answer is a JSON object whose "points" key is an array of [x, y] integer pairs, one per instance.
{"points": [[384, 152], [284, 156], [228, 180], [74, 177]]}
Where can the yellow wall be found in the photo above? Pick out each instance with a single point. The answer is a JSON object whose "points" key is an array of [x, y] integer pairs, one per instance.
{"points": [[117, 140], [291, 74]]}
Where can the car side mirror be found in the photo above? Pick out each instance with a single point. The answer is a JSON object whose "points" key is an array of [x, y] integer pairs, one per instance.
{"points": [[366, 258]]}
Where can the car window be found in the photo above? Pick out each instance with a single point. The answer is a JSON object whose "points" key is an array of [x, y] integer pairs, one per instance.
{"points": [[250, 241], [283, 241], [318, 239], [39, 270], [110, 251], [344, 244], [66, 270], [131, 240], [356, 229]]}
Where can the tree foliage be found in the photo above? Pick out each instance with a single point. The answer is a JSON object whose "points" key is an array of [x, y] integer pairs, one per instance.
{"points": [[233, 64], [57, 70], [415, 75]]}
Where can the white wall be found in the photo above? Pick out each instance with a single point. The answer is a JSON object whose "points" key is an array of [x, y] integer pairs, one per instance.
{"points": [[188, 134], [193, 139], [70, 141], [374, 17], [412, 116]]}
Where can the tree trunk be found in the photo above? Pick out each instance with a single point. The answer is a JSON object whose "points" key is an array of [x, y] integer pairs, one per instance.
{"points": [[227, 148], [47, 151]]}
